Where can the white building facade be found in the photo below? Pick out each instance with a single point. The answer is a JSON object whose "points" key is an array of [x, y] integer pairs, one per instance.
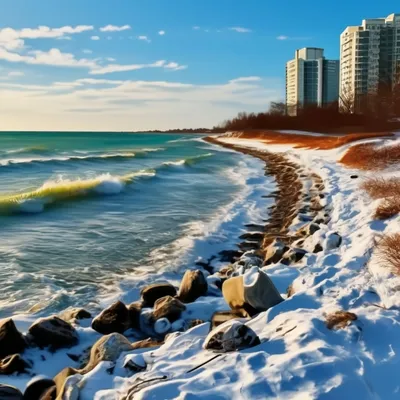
{"points": [[369, 56], [311, 80]]}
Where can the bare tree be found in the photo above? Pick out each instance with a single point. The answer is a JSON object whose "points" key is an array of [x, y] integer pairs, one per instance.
{"points": [[277, 108], [347, 100]]}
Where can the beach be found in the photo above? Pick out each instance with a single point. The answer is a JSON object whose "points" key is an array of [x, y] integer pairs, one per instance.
{"points": [[314, 237]]}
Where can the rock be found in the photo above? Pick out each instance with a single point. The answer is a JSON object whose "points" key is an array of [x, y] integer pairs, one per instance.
{"points": [[107, 348], [151, 293], [193, 286], [230, 256], [275, 252], [309, 229], [11, 341], [168, 307], [50, 394], [253, 236], [113, 319], [62, 376], [293, 256], [333, 241], [255, 227], [53, 332], [250, 259], [318, 248], [37, 387], [12, 364], [147, 323], [70, 390], [195, 322], [353, 176], [72, 314], [179, 326], [305, 217], [162, 326], [134, 310], [225, 273], [135, 363], [220, 317], [146, 344], [231, 336], [259, 291], [10, 393], [251, 293], [246, 246]]}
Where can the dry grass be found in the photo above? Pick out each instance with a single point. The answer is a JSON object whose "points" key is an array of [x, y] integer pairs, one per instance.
{"points": [[389, 252], [369, 156], [322, 142], [340, 319], [389, 191]]}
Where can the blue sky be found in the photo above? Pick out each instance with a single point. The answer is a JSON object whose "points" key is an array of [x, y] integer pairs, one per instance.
{"points": [[154, 64]]}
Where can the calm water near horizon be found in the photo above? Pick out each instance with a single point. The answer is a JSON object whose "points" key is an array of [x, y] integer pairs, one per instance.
{"points": [[81, 212]]}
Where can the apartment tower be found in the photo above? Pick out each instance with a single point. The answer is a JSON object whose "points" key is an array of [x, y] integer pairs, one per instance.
{"points": [[369, 56], [311, 80]]}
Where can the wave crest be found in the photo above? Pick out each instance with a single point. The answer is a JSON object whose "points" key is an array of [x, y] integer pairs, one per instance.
{"points": [[61, 190]]}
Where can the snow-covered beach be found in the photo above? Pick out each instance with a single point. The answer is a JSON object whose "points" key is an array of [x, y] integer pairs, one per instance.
{"points": [[298, 356]]}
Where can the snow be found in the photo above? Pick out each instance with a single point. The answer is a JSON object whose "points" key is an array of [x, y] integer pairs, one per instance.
{"points": [[299, 358]]}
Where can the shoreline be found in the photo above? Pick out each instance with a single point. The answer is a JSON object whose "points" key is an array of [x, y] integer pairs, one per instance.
{"points": [[135, 326]]}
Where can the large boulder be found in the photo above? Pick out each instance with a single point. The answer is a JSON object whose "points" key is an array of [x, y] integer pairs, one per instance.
{"points": [[151, 293], [168, 307], [10, 393], [11, 341], [53, 332], [74, 314], [193, 286], [113, 319], [251, 293], [37, 387], [107, 348], [12, 364], [231, 336], [147, 344], [134, 311]]}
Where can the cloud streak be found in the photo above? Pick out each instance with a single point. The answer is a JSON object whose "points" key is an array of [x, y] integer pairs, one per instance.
{"points": [[240, 29], [114, 28]]}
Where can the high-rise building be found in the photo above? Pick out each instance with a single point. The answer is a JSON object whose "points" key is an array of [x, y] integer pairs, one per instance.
{"points": [[369, 55], [311, 80]]}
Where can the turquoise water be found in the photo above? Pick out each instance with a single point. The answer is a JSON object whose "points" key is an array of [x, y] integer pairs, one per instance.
{"points": [[81, 213]]}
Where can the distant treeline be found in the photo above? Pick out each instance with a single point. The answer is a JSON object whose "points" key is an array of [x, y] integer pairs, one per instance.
{"points": [[188, 130], [328, 119]]}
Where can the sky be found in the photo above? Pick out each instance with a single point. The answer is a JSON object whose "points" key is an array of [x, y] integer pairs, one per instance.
{"points": [[130, 65]]}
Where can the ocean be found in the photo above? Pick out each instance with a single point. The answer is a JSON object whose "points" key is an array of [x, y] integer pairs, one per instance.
{"points": [[86, 217]]}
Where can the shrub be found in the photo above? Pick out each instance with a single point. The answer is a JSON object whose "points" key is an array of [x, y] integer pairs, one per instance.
{"points": [[389, 252]]}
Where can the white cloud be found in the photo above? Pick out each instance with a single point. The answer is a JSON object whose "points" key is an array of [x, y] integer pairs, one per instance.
{"points": [[240, 29], [52, 57], [110, 59], [161, 33], [14, 39], [103, 104], [282, 37], [95, 37], [87, 51], [113, 28], [14, 74], [112, 68], [196, 28], [144, 38]]}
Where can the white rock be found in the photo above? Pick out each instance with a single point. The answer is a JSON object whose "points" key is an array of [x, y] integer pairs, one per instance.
{"points": [[162, 326]]}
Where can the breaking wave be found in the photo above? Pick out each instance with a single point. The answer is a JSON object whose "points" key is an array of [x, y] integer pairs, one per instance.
{"points": [[62, 190], [188, 161]]}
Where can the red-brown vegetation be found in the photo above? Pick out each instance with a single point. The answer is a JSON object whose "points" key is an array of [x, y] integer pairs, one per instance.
{"points": [[389, 191], [389, 252], [340, 319], [322, 142], [369, 156]]}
